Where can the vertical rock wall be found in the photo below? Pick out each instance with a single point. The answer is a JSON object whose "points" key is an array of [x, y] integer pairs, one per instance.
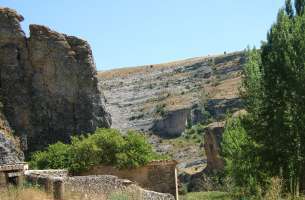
{"points": [[48, 83], [212, 142]]}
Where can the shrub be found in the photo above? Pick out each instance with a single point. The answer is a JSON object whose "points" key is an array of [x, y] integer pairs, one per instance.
{"points": [[160, 109], [119, 196], [105, 146], [56, 156], [136, 151]]}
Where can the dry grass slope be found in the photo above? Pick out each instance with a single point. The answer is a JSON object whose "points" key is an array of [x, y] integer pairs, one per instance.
{"points": [[127, 71], [23, 194]]}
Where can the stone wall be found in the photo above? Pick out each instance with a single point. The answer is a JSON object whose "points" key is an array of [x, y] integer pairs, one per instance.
{"points": [[105, 186], [90, 187], [12, 174], [159, 176], [48, 83]]}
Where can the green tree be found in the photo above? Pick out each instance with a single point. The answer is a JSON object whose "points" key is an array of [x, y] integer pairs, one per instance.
{"points": [[242, 164], [289, 8], [274, 92], [299, 6]]}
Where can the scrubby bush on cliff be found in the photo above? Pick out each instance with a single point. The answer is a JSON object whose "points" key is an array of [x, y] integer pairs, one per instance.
{"points": [[105, 146]]}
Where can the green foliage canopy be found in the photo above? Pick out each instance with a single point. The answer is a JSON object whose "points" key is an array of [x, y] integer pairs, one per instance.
{"points": [[274, 93], [105, 146]]}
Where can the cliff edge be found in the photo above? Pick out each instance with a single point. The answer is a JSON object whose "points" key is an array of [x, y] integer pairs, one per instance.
{"points": [[48, 84]]}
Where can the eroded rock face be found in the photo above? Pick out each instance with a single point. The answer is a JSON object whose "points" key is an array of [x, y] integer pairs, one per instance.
{"points": [[173, 124], [212, 142], [10, 152], [15, 71], [208, 178], [135, 93], [48, 83]]}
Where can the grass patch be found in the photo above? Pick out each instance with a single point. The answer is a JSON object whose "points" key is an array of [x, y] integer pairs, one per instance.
{"points": [[206, 196], [23, 194]]}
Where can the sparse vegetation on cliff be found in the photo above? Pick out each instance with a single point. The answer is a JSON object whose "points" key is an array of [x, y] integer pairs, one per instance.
{"points": [[105, 146]]}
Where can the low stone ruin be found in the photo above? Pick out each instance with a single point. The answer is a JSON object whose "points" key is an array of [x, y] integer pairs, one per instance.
{"points": [[63, 187]]}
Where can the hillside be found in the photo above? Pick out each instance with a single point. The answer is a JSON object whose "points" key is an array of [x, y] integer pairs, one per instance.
{"points": [[164, 100], [134, 93]]}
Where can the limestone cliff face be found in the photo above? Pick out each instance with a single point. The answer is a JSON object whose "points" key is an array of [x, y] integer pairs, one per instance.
{"points": [[138, 95], [173, 124], [163, 100], [48, 83], [212, 142]]}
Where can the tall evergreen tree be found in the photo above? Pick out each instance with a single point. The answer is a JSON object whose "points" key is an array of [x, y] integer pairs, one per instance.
{"points": [[289, 8], [274, 85], [299, 6]]}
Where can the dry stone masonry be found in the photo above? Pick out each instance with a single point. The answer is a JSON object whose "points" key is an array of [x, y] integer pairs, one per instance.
{"points": [[158, 176], [48, 83], [102, 187]]}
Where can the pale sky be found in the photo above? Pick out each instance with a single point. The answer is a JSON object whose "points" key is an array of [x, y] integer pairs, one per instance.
{"points": [[136, 32]]}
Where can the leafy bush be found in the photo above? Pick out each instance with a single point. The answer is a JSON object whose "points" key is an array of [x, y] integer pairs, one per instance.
{"points": [[56, 156], [135, 152], [105, 146], [160, 109], [195, 132]]}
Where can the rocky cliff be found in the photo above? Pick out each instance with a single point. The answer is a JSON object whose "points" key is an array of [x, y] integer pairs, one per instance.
{"points": [[10, 152], [48, 83], [164, 98], [212, 146]]}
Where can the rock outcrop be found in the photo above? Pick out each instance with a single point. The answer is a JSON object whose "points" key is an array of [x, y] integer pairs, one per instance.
{"points": [[10, 152], [163, 100], [172, 124], [48, 83], [138, 95], [212, 146]]}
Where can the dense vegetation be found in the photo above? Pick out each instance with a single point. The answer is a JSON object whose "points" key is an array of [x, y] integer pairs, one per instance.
{"points": [[270, 140], [105, 146], [206, 196]]}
